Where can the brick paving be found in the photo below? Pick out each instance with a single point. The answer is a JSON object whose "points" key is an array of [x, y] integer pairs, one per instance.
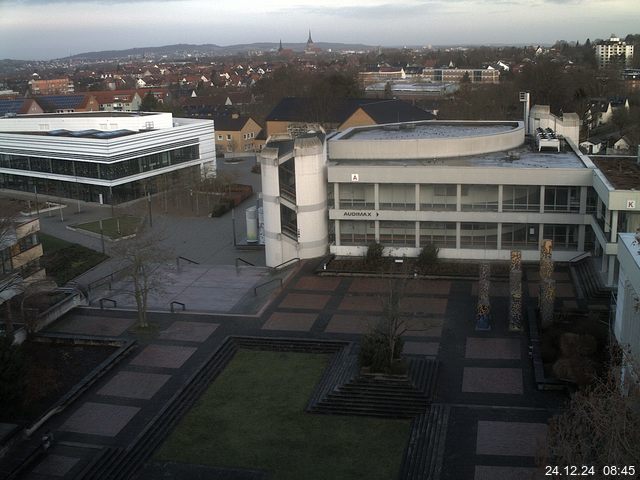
{"points": [[362, 303], [354, 324], [317, 284]]}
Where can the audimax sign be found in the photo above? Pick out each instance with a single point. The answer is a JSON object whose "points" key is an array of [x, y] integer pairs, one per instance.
{"points": [[360, 213]]}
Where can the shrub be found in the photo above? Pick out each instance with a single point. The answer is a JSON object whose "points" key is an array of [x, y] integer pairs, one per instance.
{"points": [[373, 258], [375, 354], [428, 256]]}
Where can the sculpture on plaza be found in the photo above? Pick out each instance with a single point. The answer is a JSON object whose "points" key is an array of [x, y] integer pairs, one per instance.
{"points": [[483, 310]]}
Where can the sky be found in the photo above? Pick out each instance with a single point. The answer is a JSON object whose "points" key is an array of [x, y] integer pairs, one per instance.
{"points": [[47, 29]]}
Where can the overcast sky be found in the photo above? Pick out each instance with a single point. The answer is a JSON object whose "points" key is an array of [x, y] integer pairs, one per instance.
{"points": [[45, 29]]}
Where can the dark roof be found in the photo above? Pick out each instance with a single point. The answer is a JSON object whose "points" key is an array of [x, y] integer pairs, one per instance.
{"points": [[392, 111], [305, 109], [11, 106], [59, 102], [227, 123], [623, 173]]}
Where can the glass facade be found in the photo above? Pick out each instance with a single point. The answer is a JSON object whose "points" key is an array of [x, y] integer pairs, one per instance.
{"points": [[562, 199], [565, 237], [101, 171]]}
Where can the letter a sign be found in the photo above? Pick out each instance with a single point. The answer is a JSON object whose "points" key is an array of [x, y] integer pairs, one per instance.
{"points": [[355, 177]]}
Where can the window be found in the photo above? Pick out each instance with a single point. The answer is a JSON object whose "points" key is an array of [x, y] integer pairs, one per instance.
{"points": [[565, 237], [522, 236], [438, 234], [521, 198], [353, 232], [356, 195], [479, 235], [438, 197], [562, 199], [229, 137], [480, 198], [395, 196], [398, 234], [220, 137]]}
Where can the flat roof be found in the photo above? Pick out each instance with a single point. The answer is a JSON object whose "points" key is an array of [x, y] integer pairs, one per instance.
{"points": [[623, 173], [429, 130], [86, 114], [524, 156]]}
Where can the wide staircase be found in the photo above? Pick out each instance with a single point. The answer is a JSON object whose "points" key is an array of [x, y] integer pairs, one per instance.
{"points": [[588, 281]]}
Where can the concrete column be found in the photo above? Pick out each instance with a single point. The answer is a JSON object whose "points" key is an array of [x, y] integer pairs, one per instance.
{"points": [[581, 237], [500, 190], [614, 226], [336, 231], [541, 200], [607, 222], [603, 262], [417, 197], [612, 270], [499, 234], [377, 230], [598, 208], [583, 200], [417, 234], [540, 234], [458, 232], [336, 195], [458, 199], [376, 197]]}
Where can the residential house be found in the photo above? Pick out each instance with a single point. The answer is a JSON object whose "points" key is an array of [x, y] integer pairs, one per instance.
{"points": [[118, 100], [68, 103], [236, 134], [19, 107], [54, 86]]}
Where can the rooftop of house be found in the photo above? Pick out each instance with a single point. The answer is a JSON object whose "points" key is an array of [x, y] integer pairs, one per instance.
{"points": [[622, 172]]}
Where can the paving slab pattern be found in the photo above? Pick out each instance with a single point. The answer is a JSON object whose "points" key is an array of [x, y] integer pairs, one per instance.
{"points": [[99, 419], [304, 301], [421, 348], [357, 324], [510, 438], [492, 380], [188, 331], [163, 356], [134, 385], [317, 284], [493, 348], [298, 322]]}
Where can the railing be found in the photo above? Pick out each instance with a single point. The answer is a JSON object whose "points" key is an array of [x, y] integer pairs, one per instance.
{"points": [[255, 289], [113, 276], [291, 260], [579, 257], [186, 260], [238, 259], [172, 306], [114, 304]]}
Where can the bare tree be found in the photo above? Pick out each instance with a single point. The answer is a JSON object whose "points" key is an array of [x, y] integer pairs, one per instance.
{"points": [[601, 425], [141, 257]]}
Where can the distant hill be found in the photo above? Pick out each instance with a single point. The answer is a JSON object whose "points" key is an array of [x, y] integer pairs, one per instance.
{"points": [[210, 49]]}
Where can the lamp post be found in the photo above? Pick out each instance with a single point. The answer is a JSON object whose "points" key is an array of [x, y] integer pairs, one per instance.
{"points": [[149, 204]]}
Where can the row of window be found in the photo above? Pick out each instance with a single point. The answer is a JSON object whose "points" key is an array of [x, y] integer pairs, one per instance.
{"points": [[103, 171], [245, 136], [515, 198], [472, 234]]}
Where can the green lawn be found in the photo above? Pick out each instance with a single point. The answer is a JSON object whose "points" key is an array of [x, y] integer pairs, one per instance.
{"points": [[113, 227], [64, 261], [252, 416]]}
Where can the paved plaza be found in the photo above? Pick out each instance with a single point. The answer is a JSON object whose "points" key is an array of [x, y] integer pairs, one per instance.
{"points": [[498, 420]]}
